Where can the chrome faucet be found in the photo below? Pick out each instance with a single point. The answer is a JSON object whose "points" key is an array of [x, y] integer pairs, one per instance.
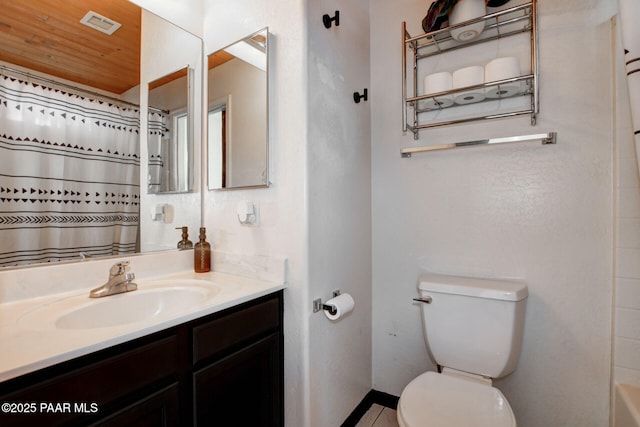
{"points": [[119, 281]]}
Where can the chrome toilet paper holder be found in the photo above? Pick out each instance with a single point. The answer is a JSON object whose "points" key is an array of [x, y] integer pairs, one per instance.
{"points": [[318, 305]]}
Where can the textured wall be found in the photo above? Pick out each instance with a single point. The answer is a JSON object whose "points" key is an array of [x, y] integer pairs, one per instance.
{"points": [[283, 219], [317, 211], [539, 213], [339, 201], [186, 14]]}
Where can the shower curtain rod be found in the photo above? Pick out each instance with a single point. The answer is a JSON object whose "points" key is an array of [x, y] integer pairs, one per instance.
{"points": [[75, 88]]}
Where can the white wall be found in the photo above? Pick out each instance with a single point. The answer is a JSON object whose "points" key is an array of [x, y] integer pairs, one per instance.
{"points": [[317, 210], [540, 213], [246, 119], [173, 95], [186, 14], [283, 217], [339, 200], [627, 301]]}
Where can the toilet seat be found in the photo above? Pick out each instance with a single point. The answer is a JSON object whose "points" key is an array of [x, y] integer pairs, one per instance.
{"points": [[448, 399]]}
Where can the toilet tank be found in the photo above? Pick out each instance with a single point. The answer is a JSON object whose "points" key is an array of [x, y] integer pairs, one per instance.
{"points": [[473, 325]]}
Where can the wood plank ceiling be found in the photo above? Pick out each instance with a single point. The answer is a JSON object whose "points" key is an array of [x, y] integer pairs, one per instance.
{"points": [[222, 56], [47, 36]]}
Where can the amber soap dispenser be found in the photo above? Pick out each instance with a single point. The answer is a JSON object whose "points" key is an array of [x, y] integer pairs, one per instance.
{"points": [[202, 253], [185, 243]]}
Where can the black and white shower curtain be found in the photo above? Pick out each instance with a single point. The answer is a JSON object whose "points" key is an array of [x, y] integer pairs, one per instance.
{"points": [[69, 174], [158, 139], [629, 12]]}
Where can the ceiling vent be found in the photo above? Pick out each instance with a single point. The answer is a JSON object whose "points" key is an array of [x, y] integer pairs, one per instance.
{"points": [[100, 23]]}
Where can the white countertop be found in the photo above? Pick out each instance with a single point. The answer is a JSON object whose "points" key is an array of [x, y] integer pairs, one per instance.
{"points": [[35, 344]]}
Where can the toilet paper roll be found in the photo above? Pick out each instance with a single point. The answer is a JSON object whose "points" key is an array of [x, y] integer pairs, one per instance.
{"points": [[438, 82], [468, 76], [465, 10], [343, 304], [499, 69]]}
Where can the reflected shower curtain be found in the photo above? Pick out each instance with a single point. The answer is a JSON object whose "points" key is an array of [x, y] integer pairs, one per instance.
{"points": [[69, 175], [157, 141], [629, 12]]}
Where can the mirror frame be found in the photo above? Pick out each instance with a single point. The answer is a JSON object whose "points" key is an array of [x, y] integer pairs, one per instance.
{"points": [[267, 141]]}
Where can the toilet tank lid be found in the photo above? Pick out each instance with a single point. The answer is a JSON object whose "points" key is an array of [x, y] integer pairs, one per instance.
{"points": [[508, 290]]}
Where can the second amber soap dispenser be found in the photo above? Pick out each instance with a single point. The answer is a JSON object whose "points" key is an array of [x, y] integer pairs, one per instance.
{"points": [[202, 253]]}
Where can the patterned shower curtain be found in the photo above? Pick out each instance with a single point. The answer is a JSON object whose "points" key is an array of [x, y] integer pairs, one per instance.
{"points": [[157, 141], [629, 12], [69, 174]]}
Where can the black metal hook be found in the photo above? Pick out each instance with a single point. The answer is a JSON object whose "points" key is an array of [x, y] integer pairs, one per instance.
{"points": [[327, 20], [357, 97]]}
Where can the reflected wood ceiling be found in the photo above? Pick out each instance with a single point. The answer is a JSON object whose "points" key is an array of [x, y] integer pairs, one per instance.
{"points": [[222, 56], [168, 78], [219, 58], [47, 36]]}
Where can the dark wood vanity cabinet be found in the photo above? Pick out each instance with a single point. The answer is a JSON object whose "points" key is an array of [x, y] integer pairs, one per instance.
{"points": [[238, 379], [225, 369]]}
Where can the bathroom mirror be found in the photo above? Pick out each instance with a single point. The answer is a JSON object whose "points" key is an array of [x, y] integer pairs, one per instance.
{"points": [[238, 137], [48, 214], [170, 133]]}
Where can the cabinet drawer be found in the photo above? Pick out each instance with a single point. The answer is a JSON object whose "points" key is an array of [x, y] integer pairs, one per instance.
{"points": [[220, 334], [98, 383]]}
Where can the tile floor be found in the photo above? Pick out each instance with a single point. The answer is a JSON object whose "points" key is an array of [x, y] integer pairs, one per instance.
{"points": [[378, 416]]}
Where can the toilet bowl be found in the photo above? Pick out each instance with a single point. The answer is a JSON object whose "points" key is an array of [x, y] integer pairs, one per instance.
{"points": [[473, 328], [453, 400]]}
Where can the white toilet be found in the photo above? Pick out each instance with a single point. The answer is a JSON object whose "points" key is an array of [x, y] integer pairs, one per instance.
{"points": [[473, 328]]}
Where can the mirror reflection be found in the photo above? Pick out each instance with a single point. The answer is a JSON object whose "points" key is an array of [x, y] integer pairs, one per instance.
{"points": [[70, 158], [170, 134], [238, 114]]}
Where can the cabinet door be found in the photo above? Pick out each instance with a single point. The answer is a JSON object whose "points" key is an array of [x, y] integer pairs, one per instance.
{"points": [[159, 409], [242, 389]]}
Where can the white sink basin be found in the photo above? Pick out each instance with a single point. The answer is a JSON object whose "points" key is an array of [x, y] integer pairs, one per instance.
{"points": [[153, 300]]}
